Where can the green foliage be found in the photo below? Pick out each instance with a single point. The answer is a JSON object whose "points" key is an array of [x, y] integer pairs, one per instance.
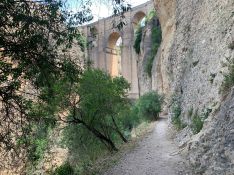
{"points": [[38, 73], [38, 144], [150, 105], [205, 113], [138, 38], [151, 15], [198, 119], [149, 65], [130, 118], [98, 125], [101, 98], [156, 41], [228, 81], [176, 111], [84, 147], [82, 41], [101, 94], [197, 123], [83, 144], [34, 72], [178, 122], [65, 169]]}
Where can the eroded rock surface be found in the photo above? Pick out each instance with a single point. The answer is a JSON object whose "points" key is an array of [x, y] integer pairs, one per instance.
{"points": [[212, 151], [196, 38]]}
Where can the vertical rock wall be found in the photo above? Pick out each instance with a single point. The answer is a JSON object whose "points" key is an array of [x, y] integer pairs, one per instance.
{"points": [[196, 38], [145, 80]]}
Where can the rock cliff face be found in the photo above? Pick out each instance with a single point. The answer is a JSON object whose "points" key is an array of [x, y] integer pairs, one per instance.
{"points": [[196, 35], [212, 151], [145, 81]]}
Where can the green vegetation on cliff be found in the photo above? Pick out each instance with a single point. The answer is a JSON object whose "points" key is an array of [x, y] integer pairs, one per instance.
{"points": [[138, 38], [156, 37], [156, 41], [228, 81]]}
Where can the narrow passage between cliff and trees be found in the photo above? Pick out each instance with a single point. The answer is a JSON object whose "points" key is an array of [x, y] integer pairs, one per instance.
{"points": [[156, 154]]}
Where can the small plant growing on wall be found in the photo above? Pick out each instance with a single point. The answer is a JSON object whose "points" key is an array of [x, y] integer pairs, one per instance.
{"points": [[176, 112], [197, 123], [138, 38], [228, 81], [156, 41], [197, 120]]}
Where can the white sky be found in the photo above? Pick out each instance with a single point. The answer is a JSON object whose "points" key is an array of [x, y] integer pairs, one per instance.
{"points": [[101, 10]]}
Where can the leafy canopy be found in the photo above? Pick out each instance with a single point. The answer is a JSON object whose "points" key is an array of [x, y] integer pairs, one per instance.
{"points": [[100, 99], [38, 77]]}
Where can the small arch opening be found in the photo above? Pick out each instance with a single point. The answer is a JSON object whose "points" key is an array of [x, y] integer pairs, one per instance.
{"points": [[114, 51], [139, 19]]}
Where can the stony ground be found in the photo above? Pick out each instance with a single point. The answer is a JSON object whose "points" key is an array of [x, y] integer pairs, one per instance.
{"points": [[156, 154]]}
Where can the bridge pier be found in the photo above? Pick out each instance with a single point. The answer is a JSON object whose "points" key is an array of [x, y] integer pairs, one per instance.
{"points": [[102, 47]]}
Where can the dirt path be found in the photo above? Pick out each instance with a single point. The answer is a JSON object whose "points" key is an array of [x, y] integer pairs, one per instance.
{"points": [[154, 155]]}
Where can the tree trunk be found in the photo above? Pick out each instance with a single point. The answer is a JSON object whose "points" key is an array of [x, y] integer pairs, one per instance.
{"points": [[118, 130], [111, 146]]}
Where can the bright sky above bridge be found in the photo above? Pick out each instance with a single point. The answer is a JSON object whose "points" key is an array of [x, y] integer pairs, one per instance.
{"points": [[100, 9]]}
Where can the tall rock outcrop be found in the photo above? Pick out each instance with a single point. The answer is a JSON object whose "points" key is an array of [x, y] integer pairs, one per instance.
{"points": [[196, 38], [144, 79]]}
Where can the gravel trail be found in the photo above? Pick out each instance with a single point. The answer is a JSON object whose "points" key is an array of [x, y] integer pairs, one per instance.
{"points": [[156, 154]]}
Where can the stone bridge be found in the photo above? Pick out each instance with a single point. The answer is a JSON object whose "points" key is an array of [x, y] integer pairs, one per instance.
{"points": [[112, 50]]}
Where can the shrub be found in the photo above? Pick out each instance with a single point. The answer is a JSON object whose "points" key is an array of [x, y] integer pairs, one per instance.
{"points": [[97, 123], [149, 65], [64, 169], [138, 38], [150, 105], [37, 143], [176, 110], [198, 120], [130, 118], [197, 123], [228, 81], [176, 120], [152, 14]]}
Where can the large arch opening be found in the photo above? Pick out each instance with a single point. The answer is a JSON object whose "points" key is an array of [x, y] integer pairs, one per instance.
{"points": [[114, 50]]}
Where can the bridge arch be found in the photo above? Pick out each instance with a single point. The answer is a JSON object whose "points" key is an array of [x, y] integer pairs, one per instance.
{"points": [[114, 53], [137, 18], [103, 51]]}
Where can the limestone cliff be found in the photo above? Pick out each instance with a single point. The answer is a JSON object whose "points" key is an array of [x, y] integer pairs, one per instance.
{"points": [[196, 35], [145, 81], [212, 151]]}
